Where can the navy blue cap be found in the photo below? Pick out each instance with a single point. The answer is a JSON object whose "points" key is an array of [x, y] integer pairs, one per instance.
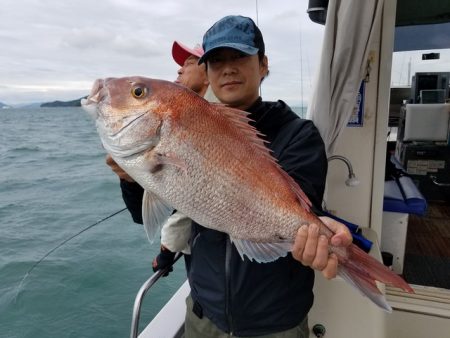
{"points": [[236, 32]]}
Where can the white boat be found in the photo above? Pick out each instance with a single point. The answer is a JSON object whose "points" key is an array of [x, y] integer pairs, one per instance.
{"points": [[338, 308]]}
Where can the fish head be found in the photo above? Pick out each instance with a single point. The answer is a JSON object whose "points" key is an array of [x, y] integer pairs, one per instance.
{"points": [[127, 112]]}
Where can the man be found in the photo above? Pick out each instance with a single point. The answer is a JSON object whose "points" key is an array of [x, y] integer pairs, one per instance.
{"points": [[243, 298], [191, 74], [231, 296]]}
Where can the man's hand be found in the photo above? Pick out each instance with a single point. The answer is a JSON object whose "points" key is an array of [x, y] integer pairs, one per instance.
{"points": [[311, 249], [163, 260], [118, 170]]}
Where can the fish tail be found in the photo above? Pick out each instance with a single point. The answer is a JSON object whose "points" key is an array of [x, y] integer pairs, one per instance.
{"points": [[362, 270]]}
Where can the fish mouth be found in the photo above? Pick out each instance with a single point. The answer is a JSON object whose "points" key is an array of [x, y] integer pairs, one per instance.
{"points": [[100, 97], [99, 94]]}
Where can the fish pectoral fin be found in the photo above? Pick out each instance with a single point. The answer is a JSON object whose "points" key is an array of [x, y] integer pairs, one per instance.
{"points": [[172, 159], [262, 252], [154, 213], [156, 161]]}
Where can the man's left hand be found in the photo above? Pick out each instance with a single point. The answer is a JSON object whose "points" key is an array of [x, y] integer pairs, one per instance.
{"points": [[311, 249]]}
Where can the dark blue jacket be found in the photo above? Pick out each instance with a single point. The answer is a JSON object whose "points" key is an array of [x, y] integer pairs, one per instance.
{"points": [[243, 297]]}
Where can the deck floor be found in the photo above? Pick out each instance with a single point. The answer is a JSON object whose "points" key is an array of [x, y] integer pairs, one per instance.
{"points": [[427, 253]]}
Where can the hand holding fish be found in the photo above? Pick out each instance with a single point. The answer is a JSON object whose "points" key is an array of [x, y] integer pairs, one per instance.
{"points": [[118, 170], [311, 249]]}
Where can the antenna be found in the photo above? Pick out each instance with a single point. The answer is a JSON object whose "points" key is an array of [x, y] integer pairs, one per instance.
{"points": [[301, 67], [257, 15], [409, 72], [257, 24]]}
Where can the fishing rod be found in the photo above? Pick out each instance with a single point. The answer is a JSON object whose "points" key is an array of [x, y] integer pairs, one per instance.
{"points": [[61, 244]]}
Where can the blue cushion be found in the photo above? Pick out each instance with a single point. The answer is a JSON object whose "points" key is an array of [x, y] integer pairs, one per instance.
{"points": [[402, 196]]}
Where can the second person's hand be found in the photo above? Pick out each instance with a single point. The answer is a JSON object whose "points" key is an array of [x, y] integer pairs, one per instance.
{"points": [[118, 170]]}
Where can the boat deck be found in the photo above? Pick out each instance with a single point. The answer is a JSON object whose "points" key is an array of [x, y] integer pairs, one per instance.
{"points": [[427, 252]]}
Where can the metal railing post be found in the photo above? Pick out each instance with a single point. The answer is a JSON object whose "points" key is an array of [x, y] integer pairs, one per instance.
{"points": [[141, 294]]}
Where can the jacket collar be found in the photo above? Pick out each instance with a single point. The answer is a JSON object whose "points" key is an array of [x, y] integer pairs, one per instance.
{"points": [[268, 117]]}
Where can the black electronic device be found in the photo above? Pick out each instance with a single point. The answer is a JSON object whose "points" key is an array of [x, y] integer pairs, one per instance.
{"points": [[427, 82]]}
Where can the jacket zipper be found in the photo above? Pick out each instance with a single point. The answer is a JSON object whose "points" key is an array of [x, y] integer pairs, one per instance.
{"points": [[228, 285]]}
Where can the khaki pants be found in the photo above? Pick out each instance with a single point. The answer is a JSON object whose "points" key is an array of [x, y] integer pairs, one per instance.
{"points": [[203, 328]]}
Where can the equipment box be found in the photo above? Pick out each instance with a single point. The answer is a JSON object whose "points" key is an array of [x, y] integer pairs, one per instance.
{"points": [[429, 167]]}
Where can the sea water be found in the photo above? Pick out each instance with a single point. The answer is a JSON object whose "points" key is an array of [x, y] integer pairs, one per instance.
{"points": [[54, 183]]}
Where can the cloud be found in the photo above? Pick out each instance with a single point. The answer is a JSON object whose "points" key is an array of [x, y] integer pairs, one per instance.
{"points": [[100, 40], [59, 48]]}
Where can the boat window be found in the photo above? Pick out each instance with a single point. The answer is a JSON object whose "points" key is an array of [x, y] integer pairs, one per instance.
{"points": [[419, 241]]}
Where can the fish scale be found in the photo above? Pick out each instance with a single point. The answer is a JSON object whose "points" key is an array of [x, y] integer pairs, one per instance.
{"points": [[229, 184]]}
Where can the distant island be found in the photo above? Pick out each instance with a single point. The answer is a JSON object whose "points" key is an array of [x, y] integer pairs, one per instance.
{"points": [[73, 103], [4, 105]]}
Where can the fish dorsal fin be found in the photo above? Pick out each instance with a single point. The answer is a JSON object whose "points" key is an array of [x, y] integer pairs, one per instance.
{"points": [[262, 252], [240, 119], [154, 213], [301, 196]]}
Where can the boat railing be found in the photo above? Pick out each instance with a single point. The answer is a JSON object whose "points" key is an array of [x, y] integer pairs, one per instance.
{"points": [[142, 292]]}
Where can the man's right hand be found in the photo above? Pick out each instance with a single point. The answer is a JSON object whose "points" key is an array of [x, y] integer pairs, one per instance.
{"points": [[118, 170]]}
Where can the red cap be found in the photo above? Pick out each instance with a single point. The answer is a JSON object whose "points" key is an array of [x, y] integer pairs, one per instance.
{"points": [[180, 52]]}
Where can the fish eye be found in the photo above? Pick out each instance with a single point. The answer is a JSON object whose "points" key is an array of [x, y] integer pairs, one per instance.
{"points": [[138, 91]]}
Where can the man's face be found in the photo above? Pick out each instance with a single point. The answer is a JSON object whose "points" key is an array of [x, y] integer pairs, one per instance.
{"points": [[235, 77], [192, 76]]}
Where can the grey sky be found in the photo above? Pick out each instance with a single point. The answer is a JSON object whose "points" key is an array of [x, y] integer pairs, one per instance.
{"points": [[55, 49]]}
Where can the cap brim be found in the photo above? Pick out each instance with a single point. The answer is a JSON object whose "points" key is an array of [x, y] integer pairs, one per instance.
{"points": [[246, 49], [181, 52]]}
